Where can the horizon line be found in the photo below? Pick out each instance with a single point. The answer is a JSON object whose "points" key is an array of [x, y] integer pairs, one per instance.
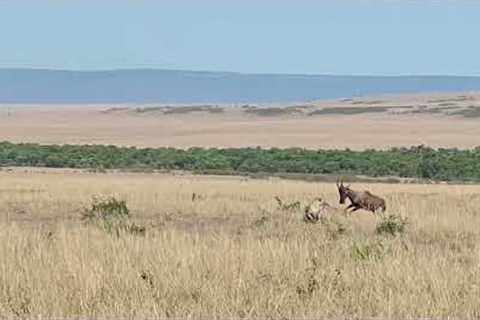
{"points": [[150, 69]]}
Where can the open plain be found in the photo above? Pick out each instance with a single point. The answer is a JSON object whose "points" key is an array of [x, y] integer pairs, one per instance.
{"points": [[211, 246], [254, 160], [436, 120], [222, 247]]}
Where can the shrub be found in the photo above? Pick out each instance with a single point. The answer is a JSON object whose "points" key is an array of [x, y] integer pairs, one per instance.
{"points": [[413, 162], [112, 216], [334, 228], [311, 284], [106, 208], [135, 229], [367, 251], [392, 225], [287, 206], [260, 222]]}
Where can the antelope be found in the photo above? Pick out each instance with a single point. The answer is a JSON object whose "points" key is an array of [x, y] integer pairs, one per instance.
{"points": [[360, 199]]}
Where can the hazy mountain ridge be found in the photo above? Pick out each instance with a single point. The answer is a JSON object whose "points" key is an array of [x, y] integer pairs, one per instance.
{"points": [[171, 86]]}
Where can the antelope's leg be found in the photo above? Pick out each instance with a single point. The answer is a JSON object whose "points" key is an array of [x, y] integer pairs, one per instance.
{"points": [[355, 209], [349, 207]]}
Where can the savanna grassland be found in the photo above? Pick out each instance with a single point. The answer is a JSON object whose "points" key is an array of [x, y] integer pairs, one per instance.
{"points": [[202, 246]]}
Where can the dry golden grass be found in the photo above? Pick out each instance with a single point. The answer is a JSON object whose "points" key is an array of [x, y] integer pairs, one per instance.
{"points": [[87, 124], [231, 253]]}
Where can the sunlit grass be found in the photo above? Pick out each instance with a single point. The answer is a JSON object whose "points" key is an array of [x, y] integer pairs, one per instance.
{"points": [[232, 251]]}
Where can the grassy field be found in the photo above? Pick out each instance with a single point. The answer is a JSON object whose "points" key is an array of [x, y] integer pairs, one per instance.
{"points": [[221, 247]]}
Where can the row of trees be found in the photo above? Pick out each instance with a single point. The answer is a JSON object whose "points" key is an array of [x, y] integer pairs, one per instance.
{"points": [[419, 161]]}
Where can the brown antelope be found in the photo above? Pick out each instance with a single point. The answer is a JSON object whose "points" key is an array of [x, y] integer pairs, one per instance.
{"points": [[360, 199]]}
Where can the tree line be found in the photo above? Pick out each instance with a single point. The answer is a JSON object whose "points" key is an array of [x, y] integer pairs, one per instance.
{"points": [[413, 162]]}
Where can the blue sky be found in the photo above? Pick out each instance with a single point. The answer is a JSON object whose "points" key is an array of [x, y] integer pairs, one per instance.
{"points": [[303, 36]]}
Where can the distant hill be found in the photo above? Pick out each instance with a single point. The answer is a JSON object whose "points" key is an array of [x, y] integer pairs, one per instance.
{"points": [[170, 86]]}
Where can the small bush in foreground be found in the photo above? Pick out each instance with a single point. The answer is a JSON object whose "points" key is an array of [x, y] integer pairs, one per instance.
{"points": [[106, 208], [311, 284], [334, 228], [392, 225], [111, 215], [287, 206], [367, 251]]}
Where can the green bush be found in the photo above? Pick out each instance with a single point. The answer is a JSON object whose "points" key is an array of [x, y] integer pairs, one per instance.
{"points": [[414, 162], [367, 251], [112, 216], [391, 225], [285, 206], [106, 209]]}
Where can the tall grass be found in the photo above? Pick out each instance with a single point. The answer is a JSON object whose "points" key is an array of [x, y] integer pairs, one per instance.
{"points": [[211, 257]]}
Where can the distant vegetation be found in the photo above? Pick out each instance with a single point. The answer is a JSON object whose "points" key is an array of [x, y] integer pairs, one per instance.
{"points": [[433, 110], [274, 111], [414, 162], [444, 108], [189, 109], [450, 100], [470, 112], [367, 102], [181, 109], [349, 110]]}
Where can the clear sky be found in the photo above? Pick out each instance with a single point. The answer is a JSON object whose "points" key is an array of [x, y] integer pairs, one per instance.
{"points": [[263, 36]]}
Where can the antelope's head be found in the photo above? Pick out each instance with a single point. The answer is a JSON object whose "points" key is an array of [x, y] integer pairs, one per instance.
{"points": [[342, 191]]}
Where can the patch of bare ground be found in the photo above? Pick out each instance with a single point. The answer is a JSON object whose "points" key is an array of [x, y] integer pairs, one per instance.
{"points": [[394, 123]]}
